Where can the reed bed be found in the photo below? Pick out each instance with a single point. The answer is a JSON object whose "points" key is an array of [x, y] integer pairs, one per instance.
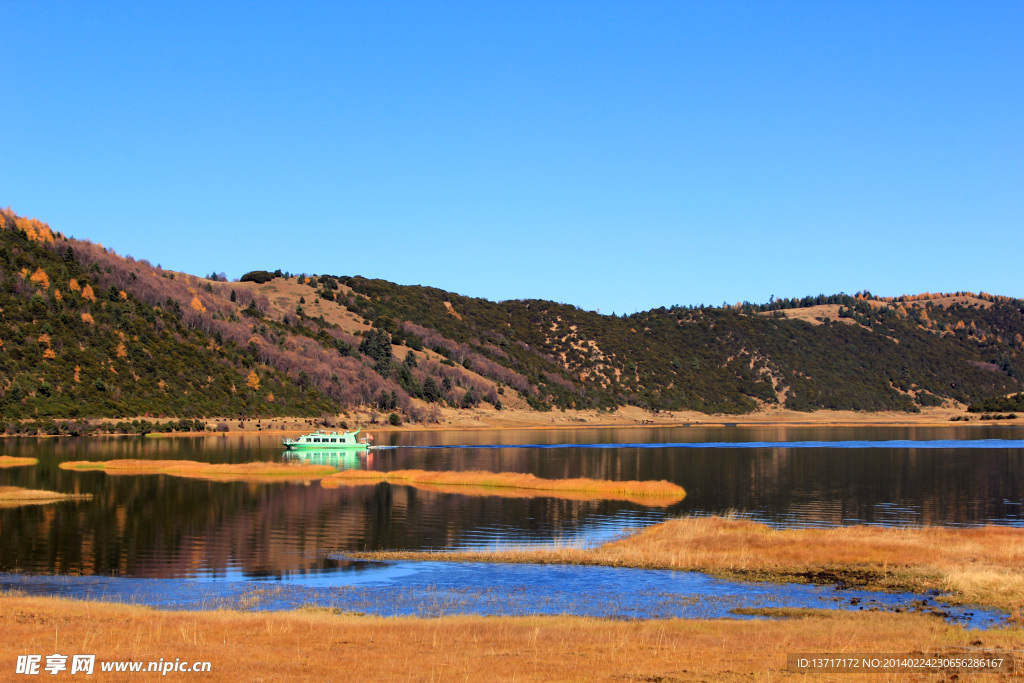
{"points": [[977, 566], [318, 643], [249, 471], [464, 490], [14, 496], [14, 461], [511, 480]]}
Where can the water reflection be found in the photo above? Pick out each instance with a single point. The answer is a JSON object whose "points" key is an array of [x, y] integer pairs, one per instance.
{"points": [[431, 589], [158, 526], [343, 460]]}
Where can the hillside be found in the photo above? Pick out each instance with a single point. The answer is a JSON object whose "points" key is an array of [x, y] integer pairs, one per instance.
{"points": [[87, 333]]}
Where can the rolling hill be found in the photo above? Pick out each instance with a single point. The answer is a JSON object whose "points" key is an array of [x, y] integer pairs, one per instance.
{"points": [[85, 332]]}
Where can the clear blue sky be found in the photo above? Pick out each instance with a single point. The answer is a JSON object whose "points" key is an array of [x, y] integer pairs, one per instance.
{"points": [[617, 156]]}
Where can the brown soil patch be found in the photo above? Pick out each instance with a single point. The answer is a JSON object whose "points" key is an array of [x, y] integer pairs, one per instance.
{"points": [[952, 300], [451, 309], [284, 295], [813, 314]]}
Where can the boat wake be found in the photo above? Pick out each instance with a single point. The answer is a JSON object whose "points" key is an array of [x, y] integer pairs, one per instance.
{"points": [[957, 444]]}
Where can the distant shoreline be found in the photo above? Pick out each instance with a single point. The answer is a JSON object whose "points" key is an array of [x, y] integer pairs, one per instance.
{"points": [[513, 420]]}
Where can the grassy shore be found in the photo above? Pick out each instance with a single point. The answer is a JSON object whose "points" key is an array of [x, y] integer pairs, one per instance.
{"points": [[479, 483], [318, 644], [598, 488], [250, 471], [486, 417], [13, 461], [490, 491], [14, 496], [983, 566]]}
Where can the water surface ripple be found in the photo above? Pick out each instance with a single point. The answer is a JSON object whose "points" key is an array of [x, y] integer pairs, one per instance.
{"points": [[430, 589]]}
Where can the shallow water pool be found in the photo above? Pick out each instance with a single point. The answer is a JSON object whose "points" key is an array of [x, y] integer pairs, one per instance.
{"points": [[430, 589]]}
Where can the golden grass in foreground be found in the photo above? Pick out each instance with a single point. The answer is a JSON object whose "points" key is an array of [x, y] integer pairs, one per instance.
{"points": [[13, 496], [316, 644], [249, 471], [511, 480], [13, 461], [978, 566]]}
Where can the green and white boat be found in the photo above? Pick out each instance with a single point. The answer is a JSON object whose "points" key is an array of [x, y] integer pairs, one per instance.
{"points": [[329, 441]]}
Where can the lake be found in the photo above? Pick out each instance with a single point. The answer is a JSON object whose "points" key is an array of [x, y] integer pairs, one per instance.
{"points": [[159, 526]]}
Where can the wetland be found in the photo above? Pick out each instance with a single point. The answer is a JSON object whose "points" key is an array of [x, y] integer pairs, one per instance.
{"points": [[148, 537]]}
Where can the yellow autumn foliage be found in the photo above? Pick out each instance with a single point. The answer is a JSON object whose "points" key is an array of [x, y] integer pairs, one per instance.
{"points": [[253, 380], [41, 278], [74, 286], [197, 304], [88, 294], [35, 230]]}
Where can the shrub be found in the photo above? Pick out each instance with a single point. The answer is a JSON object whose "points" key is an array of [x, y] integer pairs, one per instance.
{"points": [[257, 276], [394, 419]]}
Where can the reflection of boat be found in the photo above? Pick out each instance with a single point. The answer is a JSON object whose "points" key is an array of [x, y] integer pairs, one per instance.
{"points": [[328, 441], [349, 459]]}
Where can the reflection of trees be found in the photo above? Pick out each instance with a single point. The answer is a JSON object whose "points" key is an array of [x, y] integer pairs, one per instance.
{"points": [[875, 486], [154, 525]]}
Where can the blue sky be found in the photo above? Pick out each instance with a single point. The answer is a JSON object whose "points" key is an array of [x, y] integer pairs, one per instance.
{"points": [[618, 156]]}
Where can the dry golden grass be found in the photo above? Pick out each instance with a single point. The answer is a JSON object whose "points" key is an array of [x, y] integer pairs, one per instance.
{"points": [[464, 490], [317, 644], [13, 496], [512, 480], [13, 461], [978, 566], [249, 471]]}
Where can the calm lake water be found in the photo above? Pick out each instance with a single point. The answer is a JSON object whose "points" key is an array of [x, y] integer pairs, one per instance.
{"points": [[159, 526]]}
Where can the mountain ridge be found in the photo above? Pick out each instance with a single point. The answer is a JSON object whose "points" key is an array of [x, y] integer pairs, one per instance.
{"points": [[88, 333]]}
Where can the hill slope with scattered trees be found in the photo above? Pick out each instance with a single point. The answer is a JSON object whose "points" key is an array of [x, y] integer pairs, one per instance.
{"points": [[85, 332]]}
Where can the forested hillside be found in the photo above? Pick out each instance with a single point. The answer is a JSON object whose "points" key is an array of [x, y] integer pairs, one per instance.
{"points": [[87, 333], [839, 352]]}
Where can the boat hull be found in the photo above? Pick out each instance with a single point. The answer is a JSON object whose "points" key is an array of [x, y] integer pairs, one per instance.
{"points": [[328, 441]]}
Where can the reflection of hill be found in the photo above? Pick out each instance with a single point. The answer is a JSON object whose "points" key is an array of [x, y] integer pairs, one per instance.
{"points": [[167, 526]]}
